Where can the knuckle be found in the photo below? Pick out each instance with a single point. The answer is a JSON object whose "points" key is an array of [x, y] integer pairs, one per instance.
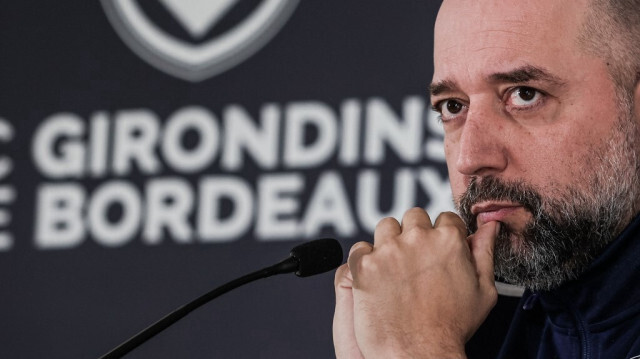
{"points": [[360, 259], [451, 218], [415, 210], [452, 232], [414, 213], [341, 277], [366, 265], [357, 246], [449, 214], [413, 234], [386, 222]]}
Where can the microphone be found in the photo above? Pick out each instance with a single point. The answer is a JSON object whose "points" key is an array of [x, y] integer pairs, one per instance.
{"points": [[317, 256], [307, 259]]}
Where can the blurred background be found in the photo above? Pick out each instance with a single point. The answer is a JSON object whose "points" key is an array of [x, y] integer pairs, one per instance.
{"points": [[153, 150]]}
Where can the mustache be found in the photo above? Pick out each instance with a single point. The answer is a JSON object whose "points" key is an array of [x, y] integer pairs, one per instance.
{"points": [[491, 188]]}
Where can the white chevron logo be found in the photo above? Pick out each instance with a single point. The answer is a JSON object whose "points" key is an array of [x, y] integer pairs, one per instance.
{"points": [[198, 16], [197, 62]]}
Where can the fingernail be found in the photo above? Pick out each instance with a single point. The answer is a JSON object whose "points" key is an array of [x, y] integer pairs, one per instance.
{"points": [[497, 228]]}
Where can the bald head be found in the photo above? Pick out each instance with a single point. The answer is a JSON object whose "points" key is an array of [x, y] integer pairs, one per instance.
{"points": [[607, 29]]}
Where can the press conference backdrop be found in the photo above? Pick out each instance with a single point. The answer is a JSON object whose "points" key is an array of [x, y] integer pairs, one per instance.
{"points": [[153, 150]]}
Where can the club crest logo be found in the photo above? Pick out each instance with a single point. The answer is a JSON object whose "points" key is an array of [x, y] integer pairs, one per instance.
{"points": [[196, 39]]}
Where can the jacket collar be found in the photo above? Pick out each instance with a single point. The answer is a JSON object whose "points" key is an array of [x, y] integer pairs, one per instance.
{"points": [[606, 293]]}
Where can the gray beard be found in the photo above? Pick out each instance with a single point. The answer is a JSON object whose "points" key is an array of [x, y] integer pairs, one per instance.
{"points": [[552, 248], [570, 227]]}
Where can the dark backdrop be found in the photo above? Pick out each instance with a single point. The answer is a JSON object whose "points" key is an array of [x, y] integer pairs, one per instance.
{"points": [[78, 272]]}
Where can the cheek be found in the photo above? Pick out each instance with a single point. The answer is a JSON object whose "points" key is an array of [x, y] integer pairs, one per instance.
{"points": [[457, 180], [565, 154]]}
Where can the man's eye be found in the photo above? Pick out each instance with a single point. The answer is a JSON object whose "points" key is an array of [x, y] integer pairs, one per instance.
{"points": [[449, 109], [452, 106], [524, 96]]}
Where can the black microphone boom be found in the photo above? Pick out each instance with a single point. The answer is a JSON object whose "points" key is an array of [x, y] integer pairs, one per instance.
{"points": [[305, 260]]}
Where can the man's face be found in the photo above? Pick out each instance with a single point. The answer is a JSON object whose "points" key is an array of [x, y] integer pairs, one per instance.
{"points": [[535, 136]]}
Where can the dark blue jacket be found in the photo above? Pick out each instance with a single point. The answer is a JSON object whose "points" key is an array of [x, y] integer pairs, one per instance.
{"points": [[596, 316]]}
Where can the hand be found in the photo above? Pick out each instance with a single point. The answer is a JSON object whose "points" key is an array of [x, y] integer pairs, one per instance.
{"points": [[420, 291]]}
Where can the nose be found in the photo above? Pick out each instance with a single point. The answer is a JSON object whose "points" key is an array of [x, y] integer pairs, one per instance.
{"points": [[482, 143]]}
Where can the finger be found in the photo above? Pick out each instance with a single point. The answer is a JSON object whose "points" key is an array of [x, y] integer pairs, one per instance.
{"points": [[450, 219], [386, 229], [482, 245], [356, 253], [416, 217], [344, 338], [343, 278]]}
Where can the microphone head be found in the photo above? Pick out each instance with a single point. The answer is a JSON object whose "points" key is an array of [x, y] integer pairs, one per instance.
{"points": [[318, 256]]}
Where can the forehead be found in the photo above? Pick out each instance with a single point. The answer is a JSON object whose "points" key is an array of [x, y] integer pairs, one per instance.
{"points": [[475, 37]]}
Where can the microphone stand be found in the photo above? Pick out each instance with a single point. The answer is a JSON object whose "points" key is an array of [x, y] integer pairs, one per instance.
{"points": [[288, 265]]}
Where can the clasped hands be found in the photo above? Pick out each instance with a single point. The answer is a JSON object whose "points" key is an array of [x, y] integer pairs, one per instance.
{"points": [[419, 291]]}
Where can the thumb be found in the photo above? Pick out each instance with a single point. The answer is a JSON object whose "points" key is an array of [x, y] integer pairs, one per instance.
{"points": [[482, 244]]}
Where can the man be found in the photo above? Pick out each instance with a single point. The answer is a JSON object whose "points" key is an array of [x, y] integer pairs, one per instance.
{"points": [[540, 103]]}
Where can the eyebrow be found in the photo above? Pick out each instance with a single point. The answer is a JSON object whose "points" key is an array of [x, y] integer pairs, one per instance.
{"points": [[439, 87], [519, 75], [525, 74]]}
